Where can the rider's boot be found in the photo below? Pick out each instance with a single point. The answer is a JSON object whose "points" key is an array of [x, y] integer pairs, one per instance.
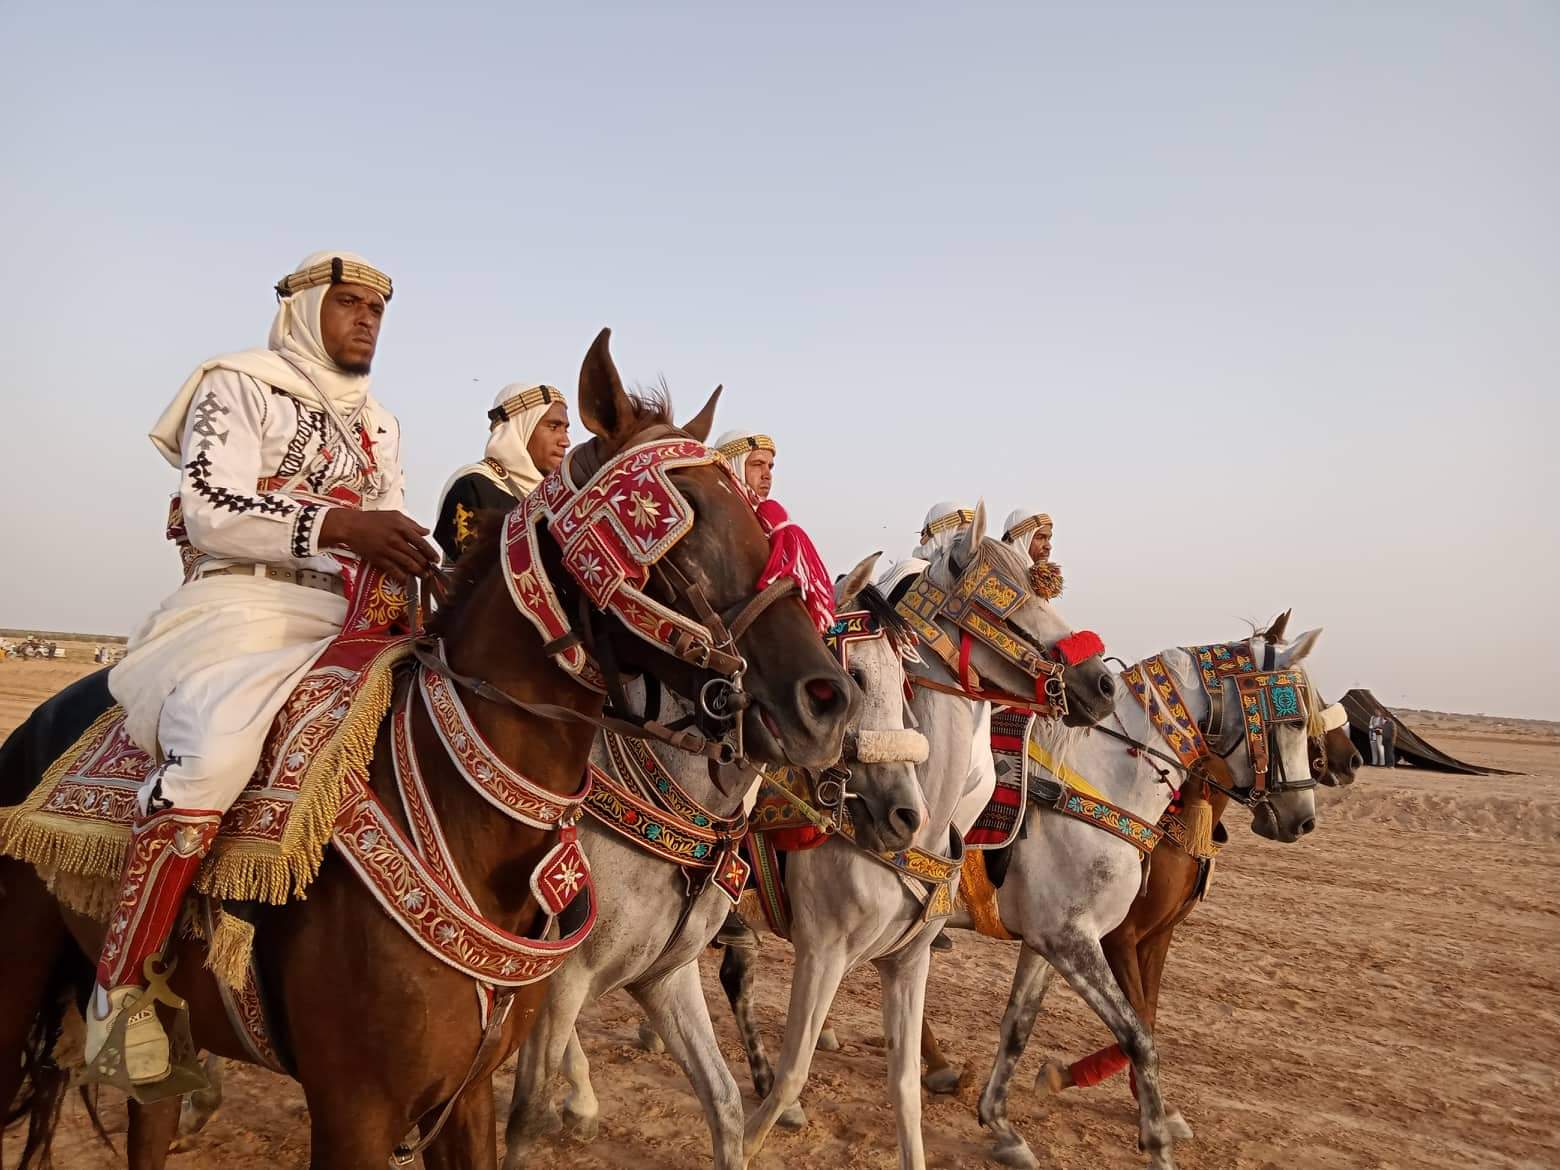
{"points": [[166, 849]]}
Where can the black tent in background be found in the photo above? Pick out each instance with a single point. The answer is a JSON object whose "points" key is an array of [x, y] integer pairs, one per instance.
{"points": [[1411, 749]]}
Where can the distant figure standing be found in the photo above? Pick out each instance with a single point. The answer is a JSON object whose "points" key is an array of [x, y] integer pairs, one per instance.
{"points": [[1378, 750], [1388, 742]]}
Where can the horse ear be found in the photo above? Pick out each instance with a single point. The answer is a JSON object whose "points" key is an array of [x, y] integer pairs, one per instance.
{"points": [[964, 550], [1275, 632], [1303, 645], [701, 424], [855, 581], [605, 407]]}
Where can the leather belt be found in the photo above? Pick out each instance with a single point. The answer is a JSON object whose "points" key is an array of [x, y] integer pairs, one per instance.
{"points": [[308, 578]]}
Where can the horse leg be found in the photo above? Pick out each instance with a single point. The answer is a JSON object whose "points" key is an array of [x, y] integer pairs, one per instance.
{"points": [[813, 984], [736, 980], [1121, 952], [1151, 953], [675, 1004], [904, 1002], [941, 1076], [348, 1132], [466, 1141], [581, 1109], [150, 1134], [34, 982], [1030, 980], [201, 1105], [531, 1113], [828, 1038], [1082, 962]]}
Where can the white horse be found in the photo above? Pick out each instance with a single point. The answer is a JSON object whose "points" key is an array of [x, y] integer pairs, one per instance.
{"points": [[648, 937], [1069, 883], [848, 908]]}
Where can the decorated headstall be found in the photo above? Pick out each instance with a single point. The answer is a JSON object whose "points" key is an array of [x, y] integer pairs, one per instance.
{"points": [[612, 531], [1268, 698], [981, 605]]}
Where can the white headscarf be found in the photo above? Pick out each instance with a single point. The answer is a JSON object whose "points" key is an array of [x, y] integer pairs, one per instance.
{"points": [[944, 522], [295, 362], [1023, 523], [735, 447], [521, 406]]}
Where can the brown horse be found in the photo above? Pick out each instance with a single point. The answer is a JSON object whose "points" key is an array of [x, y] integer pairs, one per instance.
{"points": [[1136, 949], [381, 1034]]}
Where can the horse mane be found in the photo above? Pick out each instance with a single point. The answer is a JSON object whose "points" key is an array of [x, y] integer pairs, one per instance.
{"points": [[883, 613], [652, 407]]}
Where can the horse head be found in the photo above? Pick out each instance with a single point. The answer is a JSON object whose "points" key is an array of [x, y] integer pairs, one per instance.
{"points": [[773, 676], [1017, 630], [885, 801]]}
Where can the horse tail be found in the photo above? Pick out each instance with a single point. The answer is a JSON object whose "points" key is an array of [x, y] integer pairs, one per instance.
{"points": [[43, 1085]]}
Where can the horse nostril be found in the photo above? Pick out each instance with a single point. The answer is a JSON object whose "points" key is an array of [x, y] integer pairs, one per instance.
{"points": [[1356, 762], [904, 821], [1307, 825], [1107, 687], [822, 690], [824, 700]]}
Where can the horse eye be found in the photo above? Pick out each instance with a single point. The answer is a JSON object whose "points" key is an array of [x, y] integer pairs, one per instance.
{"points": [[859, 677]]}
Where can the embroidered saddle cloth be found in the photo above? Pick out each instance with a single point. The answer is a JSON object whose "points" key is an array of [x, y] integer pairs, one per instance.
{"points": [[999, 821], [75, 827]]}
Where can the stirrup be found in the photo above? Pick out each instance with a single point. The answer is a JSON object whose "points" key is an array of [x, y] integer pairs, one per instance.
{"points": [[186, 1072]]}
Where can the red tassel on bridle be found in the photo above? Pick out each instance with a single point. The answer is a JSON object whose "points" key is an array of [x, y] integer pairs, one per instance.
{"points": [[792, 554], [1076, 648]]}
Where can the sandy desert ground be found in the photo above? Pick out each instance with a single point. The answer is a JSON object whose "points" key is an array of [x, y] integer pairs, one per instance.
{"points": [[1381, 996]]}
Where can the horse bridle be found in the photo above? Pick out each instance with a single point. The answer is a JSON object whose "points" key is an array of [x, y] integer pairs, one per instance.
{"points": [[613, 533], [980, 606], [1265, 785]]}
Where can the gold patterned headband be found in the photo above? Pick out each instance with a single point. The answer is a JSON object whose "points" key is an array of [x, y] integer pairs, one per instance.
{"points": [[334, 271], [1027, 527], [739, 447], [522, 402], [955, 519]]}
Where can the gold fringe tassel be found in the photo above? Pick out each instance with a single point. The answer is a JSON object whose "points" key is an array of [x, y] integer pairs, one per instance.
{"points": [[1197, 815], [228, 950], [979, 897]]}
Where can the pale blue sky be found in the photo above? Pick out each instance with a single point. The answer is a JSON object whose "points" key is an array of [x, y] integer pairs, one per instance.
{"points": [[1259, 301]]}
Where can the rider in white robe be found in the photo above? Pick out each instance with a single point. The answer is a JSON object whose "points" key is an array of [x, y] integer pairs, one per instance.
{"points": [[269, 445]]}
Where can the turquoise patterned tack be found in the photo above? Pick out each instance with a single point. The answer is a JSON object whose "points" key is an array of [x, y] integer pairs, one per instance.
{"points": [[1285, 702]]}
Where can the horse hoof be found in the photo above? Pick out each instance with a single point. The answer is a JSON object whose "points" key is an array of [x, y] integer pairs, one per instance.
{"points": [[793, 1118], [943, 1080], [584, 1126], [1180, 1130], [1051, 1078], [649, 1039], [828, 1041], [1015, 1153]]}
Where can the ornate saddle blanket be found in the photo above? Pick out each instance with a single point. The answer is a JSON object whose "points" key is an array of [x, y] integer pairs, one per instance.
{"points": [[75, 827], [999, 822]]}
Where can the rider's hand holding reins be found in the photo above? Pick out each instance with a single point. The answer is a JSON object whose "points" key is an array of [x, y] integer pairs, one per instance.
{"points": [[390, 541]]}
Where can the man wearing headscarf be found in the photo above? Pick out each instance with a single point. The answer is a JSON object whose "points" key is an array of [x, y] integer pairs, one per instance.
{"points": [[289, 472], [752, 456], [528, 435], [945, 522], [1029, 530]]}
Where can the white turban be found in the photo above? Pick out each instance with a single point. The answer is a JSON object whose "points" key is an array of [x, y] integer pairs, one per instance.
{"points": [[295, 361], [735, 447], [945, 520], [517, 411]]}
